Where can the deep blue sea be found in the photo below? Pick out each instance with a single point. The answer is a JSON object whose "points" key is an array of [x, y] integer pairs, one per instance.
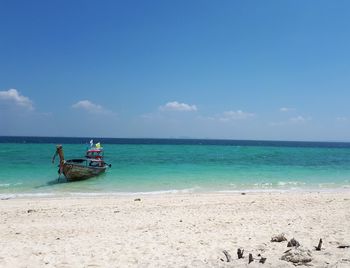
{"points": [[175, 166]]}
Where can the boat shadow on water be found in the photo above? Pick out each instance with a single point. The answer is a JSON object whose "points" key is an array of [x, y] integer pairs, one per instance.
{"points": [[62, 180], [51, 183], [56, 181]]}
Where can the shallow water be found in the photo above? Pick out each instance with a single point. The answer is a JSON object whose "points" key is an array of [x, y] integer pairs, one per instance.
{"points": [[153, 166]]}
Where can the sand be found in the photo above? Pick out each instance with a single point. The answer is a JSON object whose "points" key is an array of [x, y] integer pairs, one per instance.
{"points": [[189, 230]]}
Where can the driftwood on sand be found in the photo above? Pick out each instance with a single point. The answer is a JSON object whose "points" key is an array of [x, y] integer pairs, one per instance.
{"points": [[318, 248], [344, 246], [250, 258], [262, 260], [297, 254], [227, 255], [240, 253]]}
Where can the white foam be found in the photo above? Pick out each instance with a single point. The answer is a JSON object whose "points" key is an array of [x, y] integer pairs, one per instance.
{"points": [[288, 186], [6, 185], [174, 191], [252, 191], [326, 184], [263, 184], [284, 183], [24, 195]]}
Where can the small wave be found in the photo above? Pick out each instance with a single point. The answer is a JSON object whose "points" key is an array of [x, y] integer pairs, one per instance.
{"points": [[276, 184], [7, 196], [263, 184], [252, 191], [326, 185], [294, 183], [24, 195], [35, 195], [6, 185], [82, 194], [174, 191]]}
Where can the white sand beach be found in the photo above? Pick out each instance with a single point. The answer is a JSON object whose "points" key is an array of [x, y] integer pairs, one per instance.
{"points": [[190, 230]]}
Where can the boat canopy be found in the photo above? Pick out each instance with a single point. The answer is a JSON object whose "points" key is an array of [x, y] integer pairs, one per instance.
{"points": [[95, 150]]}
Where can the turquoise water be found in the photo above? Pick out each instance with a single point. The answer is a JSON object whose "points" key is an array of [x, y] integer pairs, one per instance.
{"points": [[25, 168]]}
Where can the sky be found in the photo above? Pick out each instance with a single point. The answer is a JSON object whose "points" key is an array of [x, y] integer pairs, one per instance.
{"points": [[262, 70]]}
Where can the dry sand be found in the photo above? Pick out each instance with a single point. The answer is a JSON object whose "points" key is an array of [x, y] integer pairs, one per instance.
{"points": [[189, 230]]}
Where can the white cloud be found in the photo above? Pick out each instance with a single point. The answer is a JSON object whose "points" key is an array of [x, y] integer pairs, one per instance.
{"points": [[235, 115], [14, 96], [90, 107], [292, 121], [342, 119], [299, 119], [177, 106], [286, 109]]}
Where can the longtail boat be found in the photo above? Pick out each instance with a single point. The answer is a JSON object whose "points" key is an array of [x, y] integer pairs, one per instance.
{"points": [[82, 168]]}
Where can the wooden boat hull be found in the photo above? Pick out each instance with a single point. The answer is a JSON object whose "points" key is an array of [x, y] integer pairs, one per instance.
{"points": [[78, 172]]}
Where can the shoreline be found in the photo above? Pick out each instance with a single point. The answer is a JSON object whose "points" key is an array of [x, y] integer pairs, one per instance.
{"points": [[173, 230], [190, 191]]}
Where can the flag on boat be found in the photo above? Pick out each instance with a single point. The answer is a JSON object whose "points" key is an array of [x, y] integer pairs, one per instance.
{"points": [[91, 143]]}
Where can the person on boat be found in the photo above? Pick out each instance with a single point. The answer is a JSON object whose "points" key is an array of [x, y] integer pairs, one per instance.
{"points": [[59, 152]]}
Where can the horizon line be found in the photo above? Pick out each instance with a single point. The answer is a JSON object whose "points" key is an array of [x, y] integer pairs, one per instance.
{"points": [[174, 138]]}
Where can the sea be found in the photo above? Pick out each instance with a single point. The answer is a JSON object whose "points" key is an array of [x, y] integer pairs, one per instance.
{"points": [[154, 166]]}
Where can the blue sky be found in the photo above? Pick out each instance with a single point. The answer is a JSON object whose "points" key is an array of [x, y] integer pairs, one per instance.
{"points": [[275, 70]]}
